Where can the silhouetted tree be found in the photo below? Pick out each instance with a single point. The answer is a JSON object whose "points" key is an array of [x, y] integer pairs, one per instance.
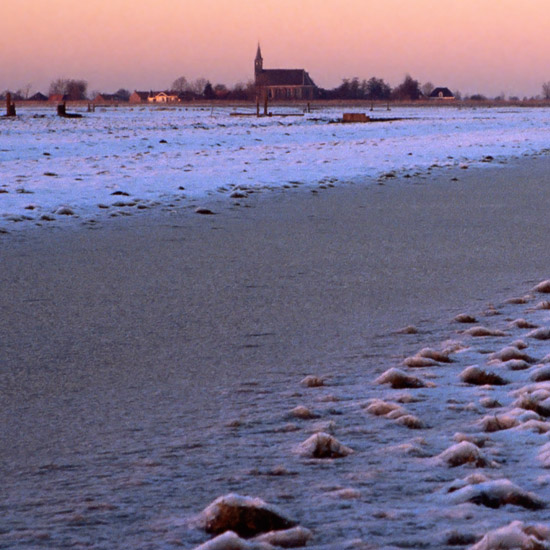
{"points": [[408, 89], [243, 91], [73, 89], [343, 91], [221, 91], [208, 92], [427, 88], [376, 88], [123, 93], [180, 84], [76, 89], [58, 86], [354, 88], [198, 86], [238, 91], [546, 90], [25, 91]]}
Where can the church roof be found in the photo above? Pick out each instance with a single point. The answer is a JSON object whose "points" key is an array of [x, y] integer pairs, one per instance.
{"points": [[284, 77]]}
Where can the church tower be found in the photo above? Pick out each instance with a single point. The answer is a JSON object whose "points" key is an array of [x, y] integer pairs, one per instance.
{"points": [[258, 62]]}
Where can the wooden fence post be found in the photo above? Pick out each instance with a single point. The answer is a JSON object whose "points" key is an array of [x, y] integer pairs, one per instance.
{"points": [[10, 107]]}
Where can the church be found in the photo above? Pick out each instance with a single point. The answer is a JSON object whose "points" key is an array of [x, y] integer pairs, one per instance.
{"points": [[282, 84]]}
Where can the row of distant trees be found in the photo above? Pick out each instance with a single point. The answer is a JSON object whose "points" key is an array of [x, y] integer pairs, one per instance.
{"points": [[77, 90], [201, 88], [377, 89]]}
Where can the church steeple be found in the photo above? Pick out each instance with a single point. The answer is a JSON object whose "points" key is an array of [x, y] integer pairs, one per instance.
{"points": [[258, 62]]}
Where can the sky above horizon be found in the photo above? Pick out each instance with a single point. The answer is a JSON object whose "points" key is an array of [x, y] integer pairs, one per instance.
{"points": [[474, 46]]}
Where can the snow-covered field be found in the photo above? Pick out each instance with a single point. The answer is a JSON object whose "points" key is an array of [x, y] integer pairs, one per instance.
{"points": [[119, 161]]}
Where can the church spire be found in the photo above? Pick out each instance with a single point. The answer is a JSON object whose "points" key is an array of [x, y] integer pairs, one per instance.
{"points": [[258, 62]]}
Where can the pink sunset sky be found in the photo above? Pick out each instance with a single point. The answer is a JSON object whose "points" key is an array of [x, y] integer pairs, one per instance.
{"points": [[485, 46]]}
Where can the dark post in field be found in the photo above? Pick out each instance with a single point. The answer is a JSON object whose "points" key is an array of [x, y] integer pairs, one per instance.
{"points": [[62, 111], [10, 106]]}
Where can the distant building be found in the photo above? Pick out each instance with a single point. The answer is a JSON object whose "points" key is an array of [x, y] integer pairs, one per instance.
{"points": [[38, 97], [442, 93], [155, 97], [139, 97], [282, 83], [109, 98], [163, 97], [58, 98]]}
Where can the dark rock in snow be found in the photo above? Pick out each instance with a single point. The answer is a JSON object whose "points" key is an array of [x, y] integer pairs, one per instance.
{"points": [[323, 445], [479, 377], [244, 515], [204, 211]]}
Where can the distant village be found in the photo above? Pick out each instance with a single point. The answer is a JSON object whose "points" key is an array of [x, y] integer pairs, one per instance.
{"points": [[273, 85]]}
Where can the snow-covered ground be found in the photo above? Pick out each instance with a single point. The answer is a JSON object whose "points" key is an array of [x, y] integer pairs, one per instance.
{"points": [[444, 430], [119, 161]]}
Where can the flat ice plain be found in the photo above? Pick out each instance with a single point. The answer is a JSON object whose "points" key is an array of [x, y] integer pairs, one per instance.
{"points": [[54, 168]]}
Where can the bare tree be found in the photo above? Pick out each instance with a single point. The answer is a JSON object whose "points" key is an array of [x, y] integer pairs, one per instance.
{"points": [[25, 91], [58, 86], [546, 90], [427, 88], [198, 85], [73, 89], [180, 84]]}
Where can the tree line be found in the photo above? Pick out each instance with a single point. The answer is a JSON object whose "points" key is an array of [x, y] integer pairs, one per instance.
{"points": [[376, 89], [373, 89]]}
